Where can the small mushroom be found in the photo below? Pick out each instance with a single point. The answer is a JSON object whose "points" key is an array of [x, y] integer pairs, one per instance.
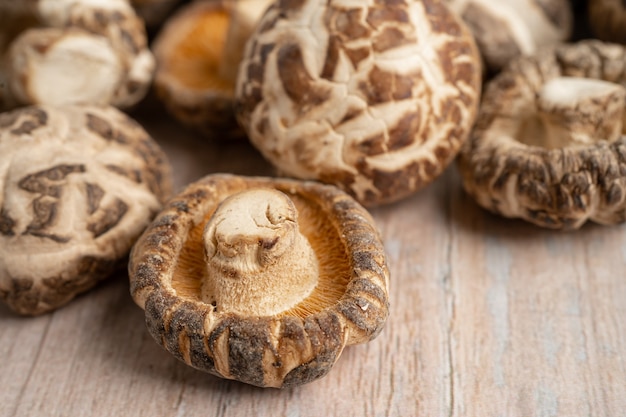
{"points": [[375, 97], [261, 280], [73, 51], [505, 29], [607, 19], [78, 184], [198, 52], [550, 138]]}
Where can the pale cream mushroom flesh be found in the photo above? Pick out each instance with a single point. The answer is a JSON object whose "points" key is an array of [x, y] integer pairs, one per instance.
{"points": [[261, 280], [71, 51], [548, 141], [254, 250]]}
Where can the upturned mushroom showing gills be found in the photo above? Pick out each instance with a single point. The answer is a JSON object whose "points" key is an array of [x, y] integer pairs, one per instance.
{"points": [[549, 144], [72, 51], [375, 97], [198, 51], [261, 280]]}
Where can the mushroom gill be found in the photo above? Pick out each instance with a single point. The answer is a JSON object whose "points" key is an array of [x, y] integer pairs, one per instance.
{"points": [[261, 252]]}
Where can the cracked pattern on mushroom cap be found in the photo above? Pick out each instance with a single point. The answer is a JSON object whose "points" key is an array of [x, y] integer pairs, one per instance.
{"points": [[269, 351], [79, 184], [51, 25], [560, 187], [375, 97], [505, 29]]}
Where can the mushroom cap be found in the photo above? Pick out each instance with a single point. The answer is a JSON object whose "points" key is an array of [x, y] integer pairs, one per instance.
{"points": [[375, 97], [79, 184], [505, 29], [607, 19], [51, 40], [509, 165], [191, 50], [348, 306]]}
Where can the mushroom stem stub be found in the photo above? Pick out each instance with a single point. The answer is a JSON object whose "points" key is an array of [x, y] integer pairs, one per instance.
{"points": [[258, 262], [581, 111]]}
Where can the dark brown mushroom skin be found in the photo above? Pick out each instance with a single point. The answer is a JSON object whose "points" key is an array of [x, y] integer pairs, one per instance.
{"points": [[607, 19], [557, 188], [180, 325]]}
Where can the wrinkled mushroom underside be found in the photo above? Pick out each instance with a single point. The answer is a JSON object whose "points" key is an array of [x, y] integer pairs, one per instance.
{"points": [[79, 184], [277, 351], [110, 34], [556, 188], [376, 98], [188, 51], [607, 19]]}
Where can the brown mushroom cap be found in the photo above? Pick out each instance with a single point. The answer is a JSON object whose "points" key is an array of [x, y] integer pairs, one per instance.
{"points": [[203, 243], [607, 19], [505, 29], [549, 145], [197, 52], [375, 97], [71, 51], [78, 186]]}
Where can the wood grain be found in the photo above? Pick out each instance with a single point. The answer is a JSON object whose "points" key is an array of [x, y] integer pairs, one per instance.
{"points": [[489, 317]]}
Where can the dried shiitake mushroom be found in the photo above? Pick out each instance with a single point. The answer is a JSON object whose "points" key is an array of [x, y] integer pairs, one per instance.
{"points": [[261, 280], [607, 19], [78, 186], [505, 29], [549, 144], [71, 51], [198, 52], [375, 97]]}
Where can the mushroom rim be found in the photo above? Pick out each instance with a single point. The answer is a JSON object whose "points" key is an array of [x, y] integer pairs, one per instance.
{"points": [[555, 187], [553, 168], [154, 256]]}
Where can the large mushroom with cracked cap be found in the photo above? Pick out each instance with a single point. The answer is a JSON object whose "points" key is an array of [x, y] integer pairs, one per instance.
{"points": [[72, 51], [375, 97], [198, 52], [549, 144], [78, 186], [505, 29], [261, 280]]}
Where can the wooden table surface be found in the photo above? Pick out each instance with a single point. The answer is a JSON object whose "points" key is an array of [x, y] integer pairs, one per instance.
{"points": [[489, 317]]}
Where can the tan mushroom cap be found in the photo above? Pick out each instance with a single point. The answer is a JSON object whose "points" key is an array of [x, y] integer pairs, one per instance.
{"points": [[78, 184], [198, 52], [505, 29], [261, 280], [73, 51], [549, 144], [607, 19], [375, 97]]}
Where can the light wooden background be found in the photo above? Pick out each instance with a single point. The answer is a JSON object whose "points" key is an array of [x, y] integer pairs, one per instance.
{"points": [[489, 318]]}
